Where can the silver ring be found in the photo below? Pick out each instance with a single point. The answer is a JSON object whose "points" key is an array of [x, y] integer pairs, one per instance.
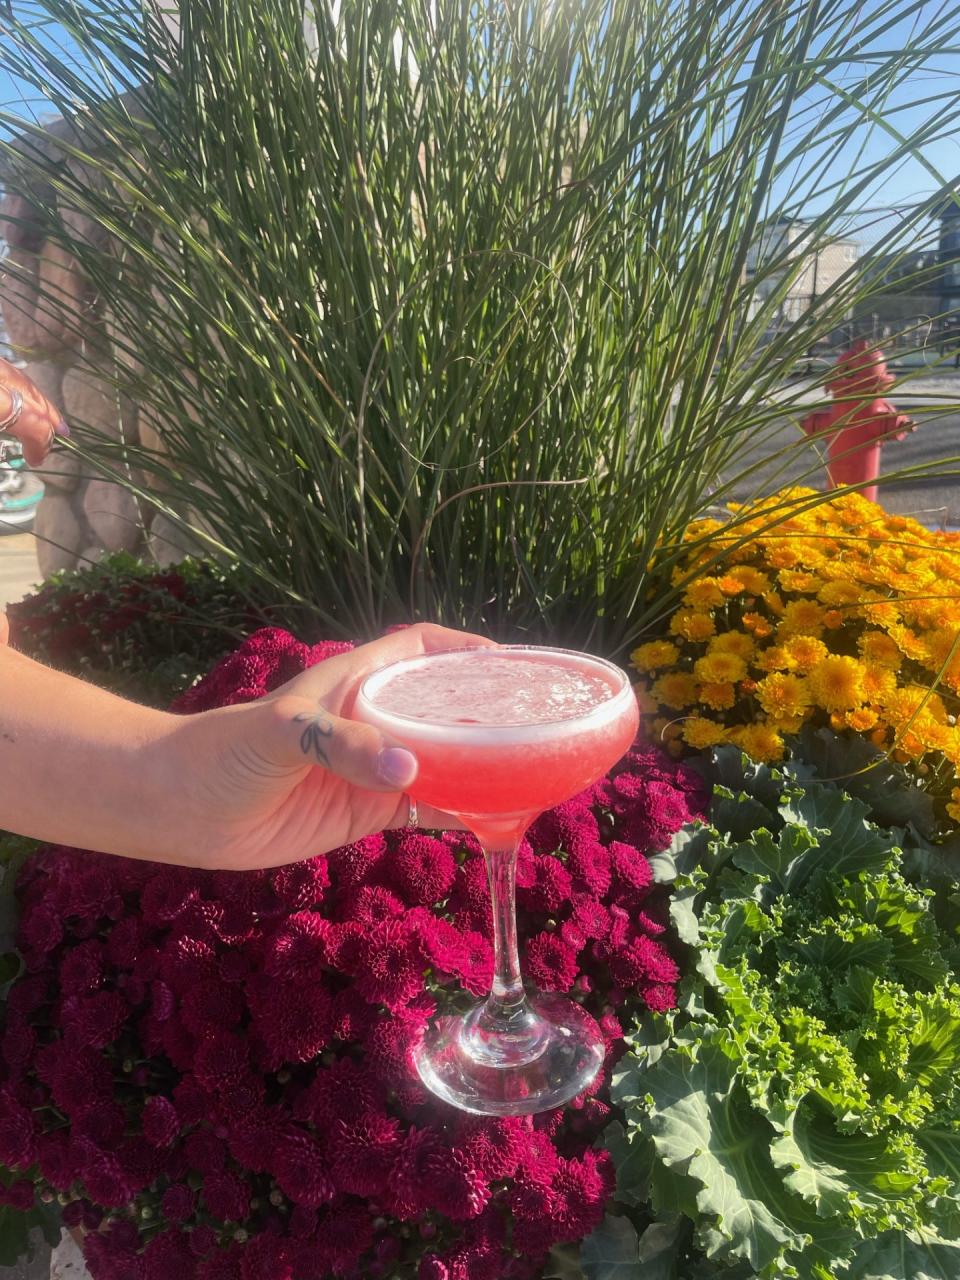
{"points": [[16, 408], [413, 817]]}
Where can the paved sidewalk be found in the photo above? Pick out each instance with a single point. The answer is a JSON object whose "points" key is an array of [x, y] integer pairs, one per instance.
{"points": [[19, 571]]}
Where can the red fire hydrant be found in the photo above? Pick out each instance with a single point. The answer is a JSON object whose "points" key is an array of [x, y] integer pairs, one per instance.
{"points": [[859, 421]]}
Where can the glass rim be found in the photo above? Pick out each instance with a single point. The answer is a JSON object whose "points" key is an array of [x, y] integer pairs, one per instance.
{"points": [[487, 732]]}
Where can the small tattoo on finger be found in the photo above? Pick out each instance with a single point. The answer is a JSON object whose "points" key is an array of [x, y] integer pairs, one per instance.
{"points": [[317, 729]]}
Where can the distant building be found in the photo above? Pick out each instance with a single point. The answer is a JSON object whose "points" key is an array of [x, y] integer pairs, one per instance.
{"points": [[820, 269], [950, 265]]}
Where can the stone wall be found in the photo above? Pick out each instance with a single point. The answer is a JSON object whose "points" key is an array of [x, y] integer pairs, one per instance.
{"points": [[59, 327]]}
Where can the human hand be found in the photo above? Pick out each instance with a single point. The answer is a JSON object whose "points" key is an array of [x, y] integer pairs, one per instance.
{"points": [[38, 422], [291, 775]]}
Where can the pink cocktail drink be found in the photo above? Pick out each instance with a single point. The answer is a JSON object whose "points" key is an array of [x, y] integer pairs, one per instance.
{"points": [[506, 733], [502, 734]]}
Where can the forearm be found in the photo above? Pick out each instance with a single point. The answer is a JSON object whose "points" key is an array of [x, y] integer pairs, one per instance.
{"points": [[80, 766]]}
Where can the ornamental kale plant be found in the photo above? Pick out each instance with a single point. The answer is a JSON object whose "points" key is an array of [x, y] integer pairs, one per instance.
{"points": [[799, 1114], [215, 1065]]}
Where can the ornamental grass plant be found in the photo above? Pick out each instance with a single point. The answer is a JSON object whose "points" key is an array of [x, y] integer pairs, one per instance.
{"points": [[446, 309]]}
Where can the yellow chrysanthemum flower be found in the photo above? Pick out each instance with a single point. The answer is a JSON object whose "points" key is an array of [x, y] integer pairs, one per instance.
{"points": [[774, 602], [878, 683], [799, 580], [718, 697], [836, 683], [704, 593], [782, 557], [757, 624], [801, 617], [759, 741], [876, 647], [783, 696], [908, 642], [774, 658], [803, 652], [694, 627], [839, 592], [700, 733], [720, 668], [751, 579], [862, 720], [733, 642], [655, 655], [675, 689]]}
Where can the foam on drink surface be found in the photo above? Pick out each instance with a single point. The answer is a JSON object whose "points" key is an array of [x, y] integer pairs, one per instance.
{"points": [[489, 687]]}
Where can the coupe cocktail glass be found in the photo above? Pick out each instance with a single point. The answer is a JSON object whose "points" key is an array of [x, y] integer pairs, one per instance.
{"points": [[503, 734]]}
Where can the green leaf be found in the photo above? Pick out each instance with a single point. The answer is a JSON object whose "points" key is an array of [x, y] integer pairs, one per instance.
{"points": [[633, 1158], [837, 1171], [864, 771], [563, 1263], [612, 1251], [895, 1256], [703, 1127], [850, 844]]}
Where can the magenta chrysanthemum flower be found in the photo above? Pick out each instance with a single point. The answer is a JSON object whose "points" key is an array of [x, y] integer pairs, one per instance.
{"points": [[643, 961], [103, 1124], [302, 1171], [551, 887], [202, 1240], [297, 951], [362, 1151], [291, 1022], [178, 1203], [494, 1146], [475, 968], [423, 868], [204, 1152], [160, 1122], [82, 969], [18, 1133], [221, 1059], [630, 866], [226, 1196], [658, 996], [221, 1264], [408, 1184], [340, 1092], [39, 931], [357, 864], [301, 886], [551, 963], [210, 1004], [168, 1255], [458, 1186], [391, 964], [94, 1021], [370, 904]]}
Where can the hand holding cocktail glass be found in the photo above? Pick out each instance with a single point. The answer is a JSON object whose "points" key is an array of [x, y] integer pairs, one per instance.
{"points": [[501, 735]]}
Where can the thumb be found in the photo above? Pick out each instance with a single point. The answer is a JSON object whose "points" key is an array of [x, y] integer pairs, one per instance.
{"points": [[305, 733]]}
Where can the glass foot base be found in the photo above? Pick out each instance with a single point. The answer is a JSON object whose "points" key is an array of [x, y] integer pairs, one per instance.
{"points": [[568, 1054]]}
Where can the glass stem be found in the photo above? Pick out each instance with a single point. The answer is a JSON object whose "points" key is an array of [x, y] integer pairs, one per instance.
{"points": [[504, 1030], [507, 989]]}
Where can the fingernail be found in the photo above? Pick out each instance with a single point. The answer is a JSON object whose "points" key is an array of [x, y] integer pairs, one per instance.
{"points": [[61, 429], [397, 767]]}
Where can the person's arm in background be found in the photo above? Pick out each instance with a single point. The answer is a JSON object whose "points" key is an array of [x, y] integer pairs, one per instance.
{"points": [[227, 788]]}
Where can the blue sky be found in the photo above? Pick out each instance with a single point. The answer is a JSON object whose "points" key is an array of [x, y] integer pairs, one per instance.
{"points": [[904, 110]]}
